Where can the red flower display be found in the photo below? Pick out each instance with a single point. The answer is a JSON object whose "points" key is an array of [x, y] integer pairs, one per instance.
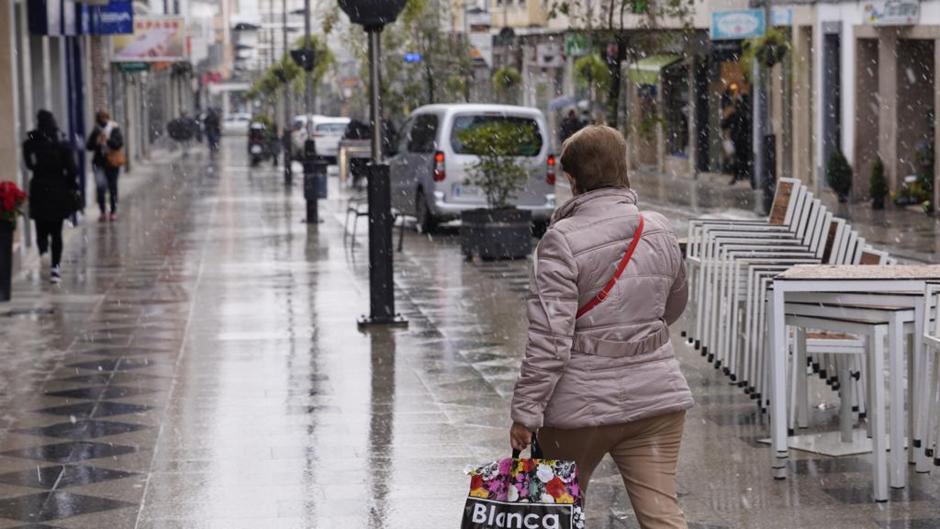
{"points": [[11, 199]]}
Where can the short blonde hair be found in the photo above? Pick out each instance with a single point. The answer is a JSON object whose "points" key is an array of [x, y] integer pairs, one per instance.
{"points": [[596, 157]]}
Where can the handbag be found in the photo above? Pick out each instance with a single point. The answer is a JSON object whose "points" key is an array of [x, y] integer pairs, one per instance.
{"points": [[602, 295], [523, 493], [116, 158]]}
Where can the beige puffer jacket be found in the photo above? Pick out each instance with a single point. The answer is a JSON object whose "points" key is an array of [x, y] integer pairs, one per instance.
{"points": [[616, 363]]}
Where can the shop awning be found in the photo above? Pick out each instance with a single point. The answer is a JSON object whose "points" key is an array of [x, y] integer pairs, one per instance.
{"points": [[647, 70]]}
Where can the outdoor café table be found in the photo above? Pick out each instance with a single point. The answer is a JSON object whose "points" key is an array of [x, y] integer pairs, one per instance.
{"points": [[836, 279]]}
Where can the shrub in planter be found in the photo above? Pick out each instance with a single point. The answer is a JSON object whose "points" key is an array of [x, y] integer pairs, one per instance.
{"points": [[878, 184], [839, 175], [500, 231]]}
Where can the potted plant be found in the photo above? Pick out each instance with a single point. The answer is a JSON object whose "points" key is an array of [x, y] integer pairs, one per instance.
{"points": [[11, 200], [839, 175], [499, 231], [878, 185]]}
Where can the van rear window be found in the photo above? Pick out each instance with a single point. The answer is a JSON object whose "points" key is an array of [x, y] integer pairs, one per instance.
{"points": [[471, 121]]}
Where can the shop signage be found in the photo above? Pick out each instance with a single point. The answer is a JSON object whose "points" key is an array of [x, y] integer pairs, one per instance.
{"points": [[155, 39], [893, 13], [112, 18], [738, 24], [576, 45], [781, 16]]}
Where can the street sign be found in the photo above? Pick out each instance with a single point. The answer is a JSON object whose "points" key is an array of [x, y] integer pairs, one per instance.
{"points": [[412, 57], [738, 24], [131, 67], [112, 18]]}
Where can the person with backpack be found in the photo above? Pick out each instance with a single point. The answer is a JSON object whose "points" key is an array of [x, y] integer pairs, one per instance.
{"points": [[53, 189], [107, 144], [599, 375]]}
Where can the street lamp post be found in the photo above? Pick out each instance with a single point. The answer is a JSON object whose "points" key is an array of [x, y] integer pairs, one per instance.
{"points": [[373, 15], [288, 118]]}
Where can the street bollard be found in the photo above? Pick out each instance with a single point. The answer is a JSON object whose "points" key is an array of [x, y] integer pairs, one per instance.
{"points": [[288, 157], [314, 181], [381, 279]]}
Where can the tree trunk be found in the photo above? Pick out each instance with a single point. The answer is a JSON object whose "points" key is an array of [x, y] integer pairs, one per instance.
{"points": [[429, 77], [614, 65]]}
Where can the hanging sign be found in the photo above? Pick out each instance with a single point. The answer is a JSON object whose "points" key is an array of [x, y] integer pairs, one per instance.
{"points": [[738, 24], [155, 39], [113, 18], [893, 13]]}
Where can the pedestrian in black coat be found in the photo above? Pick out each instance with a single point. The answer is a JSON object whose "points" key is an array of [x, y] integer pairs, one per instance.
{"points": [[54, 186]]}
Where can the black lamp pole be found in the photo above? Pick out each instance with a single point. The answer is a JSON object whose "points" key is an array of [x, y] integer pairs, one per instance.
{"points": [[373, 15], [288, 111]]}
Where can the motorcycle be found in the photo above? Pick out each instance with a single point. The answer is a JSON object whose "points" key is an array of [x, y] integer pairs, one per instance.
{"points": [[258, 148]]}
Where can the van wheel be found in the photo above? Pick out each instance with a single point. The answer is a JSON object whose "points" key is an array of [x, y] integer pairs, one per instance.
{"points": [[426, 223]]}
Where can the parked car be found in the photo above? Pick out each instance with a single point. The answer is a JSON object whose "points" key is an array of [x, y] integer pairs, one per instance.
{"points": [[325, 130], [429, 169], [236, 124]]}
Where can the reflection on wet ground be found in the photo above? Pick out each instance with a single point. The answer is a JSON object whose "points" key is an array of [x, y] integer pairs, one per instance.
{"points": [[200, 367]]}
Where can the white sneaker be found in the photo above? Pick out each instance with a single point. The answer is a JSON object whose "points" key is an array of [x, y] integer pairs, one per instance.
{"points": [[55, 275]]}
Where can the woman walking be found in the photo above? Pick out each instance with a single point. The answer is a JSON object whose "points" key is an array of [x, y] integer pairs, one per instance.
{"points": [[107, 144], [599, 375], [53, 188]]}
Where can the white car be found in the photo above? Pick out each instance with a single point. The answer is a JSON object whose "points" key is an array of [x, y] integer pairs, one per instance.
{"points": [[325, 130], [430, 167], [236, 124]]}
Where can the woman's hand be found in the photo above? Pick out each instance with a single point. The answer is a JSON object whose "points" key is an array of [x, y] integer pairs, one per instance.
{"points": [[519, 436]]}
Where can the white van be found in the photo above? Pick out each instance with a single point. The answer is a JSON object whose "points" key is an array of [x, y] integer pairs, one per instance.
{"points": [[429, 169]]}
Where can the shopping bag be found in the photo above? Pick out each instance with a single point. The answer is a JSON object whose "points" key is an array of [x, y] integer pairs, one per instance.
{"points": [[515, 493]]}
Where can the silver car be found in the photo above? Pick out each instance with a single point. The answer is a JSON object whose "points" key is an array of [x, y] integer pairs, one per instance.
{"points": [[429, 170]]}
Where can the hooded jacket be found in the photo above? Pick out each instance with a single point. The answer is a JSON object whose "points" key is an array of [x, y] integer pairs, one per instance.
{"points": [[615, 364], [55, 174]]}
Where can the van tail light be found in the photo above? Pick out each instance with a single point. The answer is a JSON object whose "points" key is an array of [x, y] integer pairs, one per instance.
{"points": [[550, 173], [439, 173]]}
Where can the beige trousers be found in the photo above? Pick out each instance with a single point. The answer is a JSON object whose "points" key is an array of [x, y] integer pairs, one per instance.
{"points": [[645, 451]]}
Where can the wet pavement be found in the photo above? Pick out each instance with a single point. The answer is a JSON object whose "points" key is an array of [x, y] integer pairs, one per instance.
{"points": [[200, 367]]}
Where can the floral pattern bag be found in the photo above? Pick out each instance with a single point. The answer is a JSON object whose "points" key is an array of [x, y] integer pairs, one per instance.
{"points": [[514, 493]]}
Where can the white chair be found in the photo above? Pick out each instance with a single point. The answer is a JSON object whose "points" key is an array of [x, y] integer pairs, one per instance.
{"points": [[718, 246], [725, 286], [927, 385], [788, 194]]}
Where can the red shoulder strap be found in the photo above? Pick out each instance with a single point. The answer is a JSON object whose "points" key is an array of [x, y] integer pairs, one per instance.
{"points": [[602, 295]]}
